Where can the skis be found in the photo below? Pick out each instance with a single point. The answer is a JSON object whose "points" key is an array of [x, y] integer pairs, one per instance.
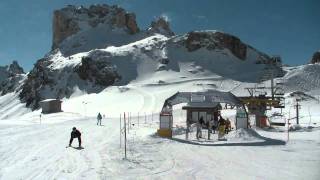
{"points": [[78, 148]]}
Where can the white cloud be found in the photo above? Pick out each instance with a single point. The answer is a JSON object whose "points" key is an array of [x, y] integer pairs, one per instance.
{"points": [[166, 17]]}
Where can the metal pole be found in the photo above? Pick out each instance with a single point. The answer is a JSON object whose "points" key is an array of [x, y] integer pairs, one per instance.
{"points": [[272, 85], [125, 136], [288, 131], [120, 130], [187, 131], [297, 111], [128, 121], [288, 124]]}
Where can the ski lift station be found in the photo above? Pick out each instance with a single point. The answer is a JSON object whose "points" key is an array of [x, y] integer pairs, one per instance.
{"points": [[205, 105], [51, 106]]}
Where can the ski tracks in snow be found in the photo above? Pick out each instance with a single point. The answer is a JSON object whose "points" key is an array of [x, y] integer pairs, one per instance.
{"points": [[149, 100]]}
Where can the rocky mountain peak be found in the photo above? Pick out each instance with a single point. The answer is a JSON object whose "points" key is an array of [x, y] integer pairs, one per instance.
{"points": [[316, 57], [15, 68], [161, 26], [11, 70], [71, 20], [216, 40], [10, 77]]}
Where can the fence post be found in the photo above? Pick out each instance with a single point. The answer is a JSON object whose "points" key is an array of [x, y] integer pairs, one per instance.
{"points": [[125, 136], [128, 122], [120, 130], [288, 130]]}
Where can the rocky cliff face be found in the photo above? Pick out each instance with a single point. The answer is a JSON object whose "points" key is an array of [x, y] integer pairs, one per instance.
{"points": [[316, 57], [12, 84], [71, 20], [14, 68], [45, 80], [38, 78], [11, 70], [212, 40], [10, 77], [99, 72]]}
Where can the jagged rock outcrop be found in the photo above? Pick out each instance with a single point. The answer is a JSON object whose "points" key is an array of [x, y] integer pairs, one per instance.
{"points": [[10, 77], [37, 79], [14, 68], [97, 71], [10, 70], [71, 20], [316, 57], [161, 26], [45, 81], [216, 40]]}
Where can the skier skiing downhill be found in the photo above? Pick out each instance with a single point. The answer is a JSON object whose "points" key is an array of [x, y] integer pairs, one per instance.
{"points": [[75, 134], [99, 117]]}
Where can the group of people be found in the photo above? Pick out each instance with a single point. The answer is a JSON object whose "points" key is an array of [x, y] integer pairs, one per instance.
{"points": [[75, 133], [217, 123]]}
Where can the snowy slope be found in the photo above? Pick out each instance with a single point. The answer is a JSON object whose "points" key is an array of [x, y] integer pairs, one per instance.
{"points": [[44, 156], [303, 78], [152, 60], [145, 69], [247, 155]]}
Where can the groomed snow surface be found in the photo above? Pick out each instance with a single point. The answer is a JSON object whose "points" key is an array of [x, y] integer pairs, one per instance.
{"points": [[33, 150], [34, 147]]}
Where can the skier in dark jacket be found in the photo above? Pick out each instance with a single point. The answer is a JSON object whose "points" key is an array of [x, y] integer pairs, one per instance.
{"points": [[99, 117], [199, 128], [75, 134]]}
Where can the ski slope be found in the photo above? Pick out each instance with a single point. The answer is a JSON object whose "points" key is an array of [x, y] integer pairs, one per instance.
{"points": [[152, 68], [30, 150]]}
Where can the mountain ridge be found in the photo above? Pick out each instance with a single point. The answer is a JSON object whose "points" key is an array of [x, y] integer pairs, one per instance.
{"points": [[82, 59]]}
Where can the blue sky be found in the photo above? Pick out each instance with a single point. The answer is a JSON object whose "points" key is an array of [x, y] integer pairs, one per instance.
{"points": [[289, 28]]}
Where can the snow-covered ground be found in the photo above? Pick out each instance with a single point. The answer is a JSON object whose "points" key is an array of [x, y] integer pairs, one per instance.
{"points": [[152, 67], [30, 150], [33, 146]]}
